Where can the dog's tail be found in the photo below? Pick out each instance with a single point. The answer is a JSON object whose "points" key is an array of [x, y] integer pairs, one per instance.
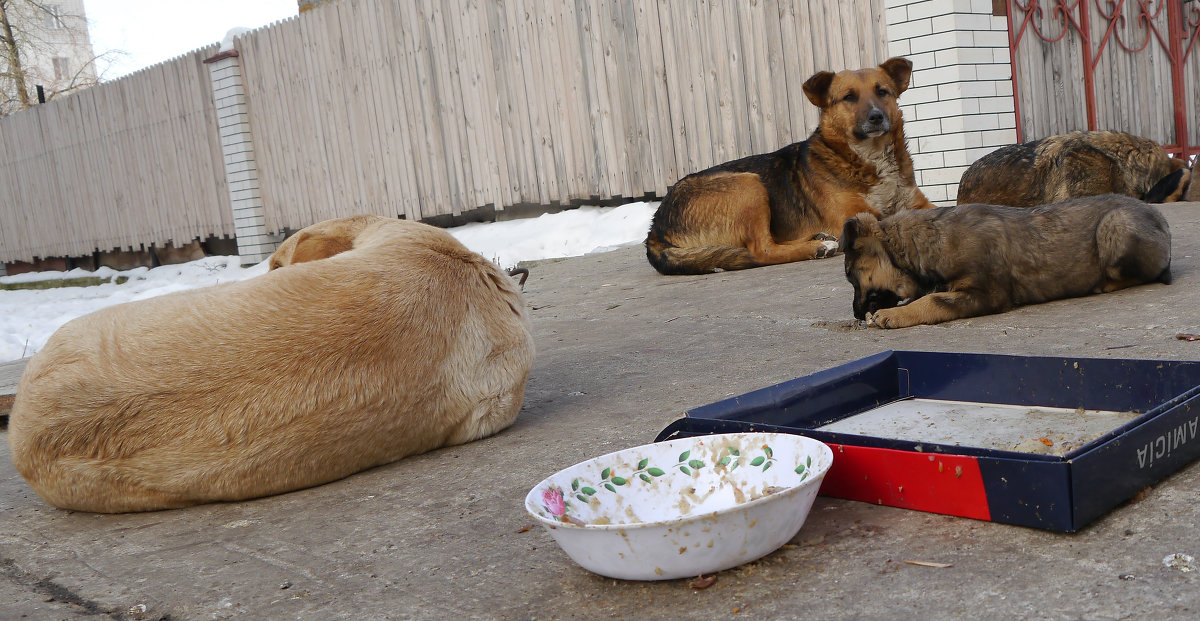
{"points": [[675, 261], [1170, 188]]}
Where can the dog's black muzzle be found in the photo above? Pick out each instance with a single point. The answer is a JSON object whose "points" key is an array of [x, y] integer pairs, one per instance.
{"points": [[874, 300], [877, 123]]}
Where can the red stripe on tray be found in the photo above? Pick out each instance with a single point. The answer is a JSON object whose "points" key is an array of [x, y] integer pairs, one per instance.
{"points": [[938, 483]]}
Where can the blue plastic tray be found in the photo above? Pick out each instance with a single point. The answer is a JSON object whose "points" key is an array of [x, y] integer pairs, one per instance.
{"points": [[1061, 493]]}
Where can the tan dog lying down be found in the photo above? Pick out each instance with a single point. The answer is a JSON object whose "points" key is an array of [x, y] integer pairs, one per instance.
{"points": [[377, 339]]}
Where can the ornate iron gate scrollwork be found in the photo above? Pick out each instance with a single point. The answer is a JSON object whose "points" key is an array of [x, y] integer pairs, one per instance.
{"points": [[1158, 38]]}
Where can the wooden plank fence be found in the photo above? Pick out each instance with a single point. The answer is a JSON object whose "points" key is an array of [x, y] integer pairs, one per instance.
{"points": [[131, 162], [439, 107], [428, 108]]}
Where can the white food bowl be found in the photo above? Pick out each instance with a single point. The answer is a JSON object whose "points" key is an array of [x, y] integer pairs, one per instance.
{"points": [[682, 508]]}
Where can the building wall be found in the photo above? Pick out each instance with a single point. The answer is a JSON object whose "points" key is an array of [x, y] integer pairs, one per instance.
{"points": [[959, 105], [46, 39]]}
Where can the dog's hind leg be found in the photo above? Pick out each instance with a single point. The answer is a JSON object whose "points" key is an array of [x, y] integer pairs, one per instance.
{"points": [[83, 484], [756, 232], [752, 218], [728, 227], [768, 252]]}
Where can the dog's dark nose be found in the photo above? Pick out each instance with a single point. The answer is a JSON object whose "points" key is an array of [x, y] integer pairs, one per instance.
{"points": [[876, 117]]}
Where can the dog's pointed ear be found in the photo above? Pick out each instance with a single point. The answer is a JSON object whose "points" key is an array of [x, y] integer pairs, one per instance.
{"points": [[1170, 188], [849, 234], [283, 254], [861, 225], [900, 70], [319, 245], [816, 88], [309, 246]]}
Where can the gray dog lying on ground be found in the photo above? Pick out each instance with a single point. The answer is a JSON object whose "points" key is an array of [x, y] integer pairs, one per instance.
{"points": [[935, 265], [369, 340]]}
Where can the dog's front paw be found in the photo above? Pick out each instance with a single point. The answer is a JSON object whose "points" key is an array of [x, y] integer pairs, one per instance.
{"points": [[885, 318], [827, 249], [824, 237]]}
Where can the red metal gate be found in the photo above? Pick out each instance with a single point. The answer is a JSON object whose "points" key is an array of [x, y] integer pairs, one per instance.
{"points": [[1159, 31]]}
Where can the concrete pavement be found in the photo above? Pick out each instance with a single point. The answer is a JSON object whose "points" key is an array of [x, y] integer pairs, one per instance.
{"points": [[621, 352]]}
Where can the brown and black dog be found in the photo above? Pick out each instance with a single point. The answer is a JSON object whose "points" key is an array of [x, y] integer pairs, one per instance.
{"points": [[1075, 165], [370, 339], [925, 267], [789, 205]]}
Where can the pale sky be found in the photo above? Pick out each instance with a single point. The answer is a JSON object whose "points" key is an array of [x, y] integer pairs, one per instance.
{"points": [[151, 31]]}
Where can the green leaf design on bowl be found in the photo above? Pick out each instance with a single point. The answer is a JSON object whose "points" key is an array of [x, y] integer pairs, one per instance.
{"points": [[691, 467]]}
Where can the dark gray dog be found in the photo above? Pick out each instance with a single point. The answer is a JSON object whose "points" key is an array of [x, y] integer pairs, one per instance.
{"points": [[933, 265]]}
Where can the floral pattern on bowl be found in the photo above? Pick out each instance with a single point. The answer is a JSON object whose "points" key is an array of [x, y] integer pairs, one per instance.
{"points": [[654, 493]]}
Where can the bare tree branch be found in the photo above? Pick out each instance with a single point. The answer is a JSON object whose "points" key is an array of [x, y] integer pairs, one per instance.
{"points": [[39, 45], [11, 53]]}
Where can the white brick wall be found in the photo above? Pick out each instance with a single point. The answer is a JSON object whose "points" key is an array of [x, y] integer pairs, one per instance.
{"points": [[959, 103], [241, 172]]}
